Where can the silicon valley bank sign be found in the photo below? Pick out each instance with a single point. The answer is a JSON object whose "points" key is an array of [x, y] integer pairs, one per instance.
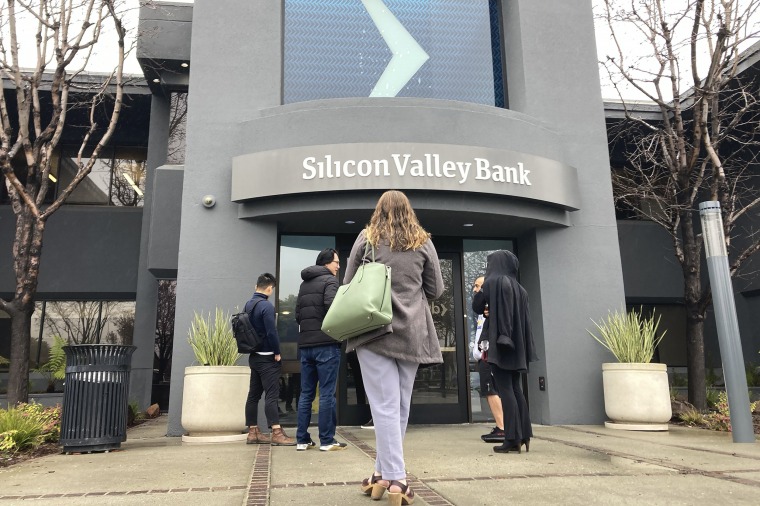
{"points": [[403, 166]]}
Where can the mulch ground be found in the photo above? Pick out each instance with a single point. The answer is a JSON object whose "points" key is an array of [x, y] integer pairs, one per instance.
{"points": [[41, 451]]}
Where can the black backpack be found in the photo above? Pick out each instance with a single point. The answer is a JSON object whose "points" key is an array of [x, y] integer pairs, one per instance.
{"points": [[248, 340]]}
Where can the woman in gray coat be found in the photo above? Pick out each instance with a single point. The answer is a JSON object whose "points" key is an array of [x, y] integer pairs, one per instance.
{"points": [[389, 358]]}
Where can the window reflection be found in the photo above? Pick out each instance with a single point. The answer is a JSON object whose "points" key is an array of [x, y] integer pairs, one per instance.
{"points": [[117, 177], [177, 123], [438, 384], [296, 253], [476, 253]]}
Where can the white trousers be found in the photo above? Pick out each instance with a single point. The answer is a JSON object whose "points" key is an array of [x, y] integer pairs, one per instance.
{"points": [[388, 383]]}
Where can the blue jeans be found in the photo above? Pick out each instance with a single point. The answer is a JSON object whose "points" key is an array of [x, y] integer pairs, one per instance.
{"points": [[318, 364]]}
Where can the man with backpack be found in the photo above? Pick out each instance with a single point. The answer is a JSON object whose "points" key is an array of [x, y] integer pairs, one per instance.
{"points": [[320, 353], [266, 366]]}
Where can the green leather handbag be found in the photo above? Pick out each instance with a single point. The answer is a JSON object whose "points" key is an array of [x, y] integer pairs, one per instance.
{"points": [[364, 304]]}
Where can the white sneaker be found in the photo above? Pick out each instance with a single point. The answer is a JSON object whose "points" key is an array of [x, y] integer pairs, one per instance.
{"points": [[368, 425], [333, 447], [305, 446]]}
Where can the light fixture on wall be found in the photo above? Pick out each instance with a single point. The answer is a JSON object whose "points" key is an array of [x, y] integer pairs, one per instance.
{"points": [[350, 222], [208, 201], [184, 64], [468, 225]]}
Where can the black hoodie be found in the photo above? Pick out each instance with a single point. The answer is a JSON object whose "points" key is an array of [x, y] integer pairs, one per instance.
{"points": [[508, 313], [314, 298]]}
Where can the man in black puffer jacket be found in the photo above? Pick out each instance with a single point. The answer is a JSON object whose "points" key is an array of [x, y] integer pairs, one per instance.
{"points": [[320, 354]]}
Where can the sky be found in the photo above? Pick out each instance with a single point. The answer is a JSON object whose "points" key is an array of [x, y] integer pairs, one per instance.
{"points": [[103, 57]]}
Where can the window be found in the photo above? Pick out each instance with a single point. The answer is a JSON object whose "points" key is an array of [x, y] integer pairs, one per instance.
{"points": [[177, 129], [336, 50], [296, 253], [76, 322], [117, 178]]}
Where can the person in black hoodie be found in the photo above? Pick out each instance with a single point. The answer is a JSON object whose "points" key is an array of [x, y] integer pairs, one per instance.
{"points": [[320, 353], [507, 331]]}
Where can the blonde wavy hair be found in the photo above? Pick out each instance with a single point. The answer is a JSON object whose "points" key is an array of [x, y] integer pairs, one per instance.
{"points": [[394, 220]]}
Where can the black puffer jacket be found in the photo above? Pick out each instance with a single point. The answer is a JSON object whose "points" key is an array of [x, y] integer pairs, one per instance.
{"points": [[314, 298]]}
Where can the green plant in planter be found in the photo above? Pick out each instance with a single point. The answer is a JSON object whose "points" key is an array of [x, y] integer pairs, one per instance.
{"points": [[631, 337], [212, 341]]}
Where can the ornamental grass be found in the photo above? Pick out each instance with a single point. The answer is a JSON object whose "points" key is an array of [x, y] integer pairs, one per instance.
{"points": [[212, 341], [629, 336], [27, 426]]}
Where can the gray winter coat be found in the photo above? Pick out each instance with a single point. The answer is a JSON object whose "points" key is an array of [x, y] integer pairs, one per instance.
{"points": [[415, 278]]}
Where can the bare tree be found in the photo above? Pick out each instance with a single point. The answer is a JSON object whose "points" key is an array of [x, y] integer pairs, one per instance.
{"points": [[700, 139], [167, 299], [66, 35]]}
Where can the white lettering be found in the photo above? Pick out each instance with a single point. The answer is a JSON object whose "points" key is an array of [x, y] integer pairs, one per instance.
{"points": [[524, 174], [307, 166], [381, 164], [498, 173], [464, 171], [481, 165], [364, 168], [345, 168], [511, 174], [417, 169], [399, 168], [449, 169]]}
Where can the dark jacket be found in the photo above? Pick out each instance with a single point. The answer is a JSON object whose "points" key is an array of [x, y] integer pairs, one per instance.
{"points": [[508, 313], [314, 298], [415, 278], [263, 321]]}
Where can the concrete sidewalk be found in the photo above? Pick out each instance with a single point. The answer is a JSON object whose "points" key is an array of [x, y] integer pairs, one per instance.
{"points": [[448, 464]]}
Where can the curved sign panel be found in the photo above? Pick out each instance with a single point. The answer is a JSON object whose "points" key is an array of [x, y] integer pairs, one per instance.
{"points": [[404, 166]]}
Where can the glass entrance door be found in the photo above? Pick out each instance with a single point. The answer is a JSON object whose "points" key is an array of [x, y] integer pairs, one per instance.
{"points": [[439, 394], [440, 391]]}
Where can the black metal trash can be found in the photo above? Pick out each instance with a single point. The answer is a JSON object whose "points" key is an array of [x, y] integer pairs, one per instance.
{"points": [[95, 402]]}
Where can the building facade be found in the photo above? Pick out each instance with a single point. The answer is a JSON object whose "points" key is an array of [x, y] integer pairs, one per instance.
{"points": [[299, 114]]}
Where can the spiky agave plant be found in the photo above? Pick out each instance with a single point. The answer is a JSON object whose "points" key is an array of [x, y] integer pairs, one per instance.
{"points": [[631, 337], [212, 342]]}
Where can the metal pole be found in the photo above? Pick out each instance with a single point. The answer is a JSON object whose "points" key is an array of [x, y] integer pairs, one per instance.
{"points": [[725, 319]]}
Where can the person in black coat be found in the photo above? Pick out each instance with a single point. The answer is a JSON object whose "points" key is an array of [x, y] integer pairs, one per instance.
{"points": [[510, 347], [320, 353]]}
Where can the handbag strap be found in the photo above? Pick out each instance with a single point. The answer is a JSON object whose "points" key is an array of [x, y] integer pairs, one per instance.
{"points": [[367, 248]]}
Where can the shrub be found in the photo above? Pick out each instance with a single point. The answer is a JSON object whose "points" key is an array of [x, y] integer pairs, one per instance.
{"points": [[631, 337], [692, 417], [753, 374], [721, 420], [213, 343], [28, 426], [713, 397]]}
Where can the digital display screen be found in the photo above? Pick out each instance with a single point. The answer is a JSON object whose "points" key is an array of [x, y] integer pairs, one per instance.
{"points": [[445, 49]]}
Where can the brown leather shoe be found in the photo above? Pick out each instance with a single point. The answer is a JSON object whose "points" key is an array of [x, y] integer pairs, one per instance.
{"points": [[279, 438], [255, 436]]}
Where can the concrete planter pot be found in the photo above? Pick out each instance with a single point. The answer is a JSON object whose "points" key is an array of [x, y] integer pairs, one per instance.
{"points": [[213, 403], [636, 396]]}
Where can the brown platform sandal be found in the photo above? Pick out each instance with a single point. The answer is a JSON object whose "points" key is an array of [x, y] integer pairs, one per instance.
{"points": [[372, 488], [406, 496]]}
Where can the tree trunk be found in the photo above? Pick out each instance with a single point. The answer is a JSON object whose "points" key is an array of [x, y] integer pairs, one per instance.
{"points": [[18, 372], [27, 250], [695, 312], [695, 356]]}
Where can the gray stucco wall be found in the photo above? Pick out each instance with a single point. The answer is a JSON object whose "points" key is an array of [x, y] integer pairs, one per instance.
{"points": [[220, 256], [553, 81], [576, 273], [89, 252]]}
